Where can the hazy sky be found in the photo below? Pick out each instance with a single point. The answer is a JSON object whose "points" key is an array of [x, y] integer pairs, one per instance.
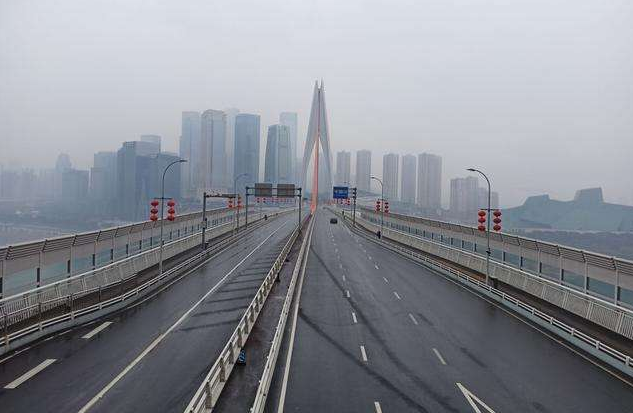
{"points": [[539, 93]]}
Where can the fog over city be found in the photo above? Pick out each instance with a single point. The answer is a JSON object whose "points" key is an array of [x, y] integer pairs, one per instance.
{"points": [[538, 93]]}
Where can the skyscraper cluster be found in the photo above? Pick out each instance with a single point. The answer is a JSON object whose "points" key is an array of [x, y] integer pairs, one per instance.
{"points": [[223, 151]]}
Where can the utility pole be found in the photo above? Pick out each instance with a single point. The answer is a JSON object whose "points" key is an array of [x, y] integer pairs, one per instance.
{"points": [[488, 251], [382, 204], [162, 211]]}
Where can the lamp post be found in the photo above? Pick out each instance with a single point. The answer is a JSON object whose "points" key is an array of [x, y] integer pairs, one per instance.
{"points": [[382, 201], [237, 210], [162, 210], [488, 252]]}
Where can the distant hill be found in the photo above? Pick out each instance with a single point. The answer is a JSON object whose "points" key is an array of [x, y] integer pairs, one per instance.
{"points": [[586, 212]]}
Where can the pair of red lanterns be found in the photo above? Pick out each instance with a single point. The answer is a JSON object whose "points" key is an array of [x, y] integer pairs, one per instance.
{"points": [[496, 220], [171, 211], [378, 205], [239, 202]]}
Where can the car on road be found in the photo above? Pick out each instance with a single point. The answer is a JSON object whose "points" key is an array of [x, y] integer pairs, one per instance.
{"points": [[333, 221]]}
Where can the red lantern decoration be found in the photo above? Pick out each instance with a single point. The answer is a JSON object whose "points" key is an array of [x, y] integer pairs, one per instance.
{"points": [[386, 207], [481, 227], [481, 220], [230, 203], [171, 211], [481, 213], [239, 201], [497, 220], [378, 206], [153, 210]]}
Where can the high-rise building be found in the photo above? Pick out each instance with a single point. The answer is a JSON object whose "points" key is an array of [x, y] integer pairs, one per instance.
{"points": [[246, 149], [482, 198], [133, 176], [390, 163], [155, 139], [61, 165], [103, 182], [74, 185], [464, 196], [189, 149], [211, 173], [289, 119], [231, 113], [277, 168], [343, 168], [363, 170], [407, 190], [429, 181]]}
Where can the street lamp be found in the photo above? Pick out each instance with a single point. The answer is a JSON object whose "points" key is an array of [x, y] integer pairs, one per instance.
{"points": [[162, 221], [488, 252], [382, 201], [237, 210]]}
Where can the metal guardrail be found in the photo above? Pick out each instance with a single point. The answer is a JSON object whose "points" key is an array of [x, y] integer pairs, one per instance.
{"points": [[606, 314], [624, 362], [209, 391], [264, 383], [66, 300]]}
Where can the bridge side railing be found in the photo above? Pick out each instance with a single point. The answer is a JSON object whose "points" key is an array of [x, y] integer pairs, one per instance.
{"points": [[604, 313], [209, 391], [615, 358]]}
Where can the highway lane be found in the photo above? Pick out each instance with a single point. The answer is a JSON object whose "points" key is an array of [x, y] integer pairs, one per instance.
{"points": [[178, 357], [379, 333]]}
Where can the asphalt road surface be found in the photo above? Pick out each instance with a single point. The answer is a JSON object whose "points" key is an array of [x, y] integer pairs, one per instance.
{"points": [[379, 333], [153, 356]]}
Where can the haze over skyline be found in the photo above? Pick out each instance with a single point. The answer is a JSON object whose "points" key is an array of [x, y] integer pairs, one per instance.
{"points": [[538, 94]]}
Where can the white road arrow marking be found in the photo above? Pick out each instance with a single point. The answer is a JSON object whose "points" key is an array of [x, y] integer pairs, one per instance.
{"points": [[473, 400]]}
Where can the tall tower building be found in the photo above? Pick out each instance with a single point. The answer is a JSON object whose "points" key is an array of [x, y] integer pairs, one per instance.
{"points": [[231, 113], [155, 139], [407, 190], [277, 165], [211, 173], [363, 170], [289, 119], [429, 181], [390, 175], [343, 168], [246, 149], [464, 195], [189, 149]]}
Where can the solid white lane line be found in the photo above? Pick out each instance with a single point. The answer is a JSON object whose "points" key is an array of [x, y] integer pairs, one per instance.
{"points": [[347, 293], [397, 296], [474, 400], [340, 266], [377, 407], [375, 265], [15, 383], [363, 353], [439, 356], [413, 319], [160, 338], [369, 256], [386, 280], [354, 318], [343, 277], [97, 330]]}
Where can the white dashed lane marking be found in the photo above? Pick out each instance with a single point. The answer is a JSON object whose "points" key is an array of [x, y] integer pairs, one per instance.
{"points": [[15, 383]]}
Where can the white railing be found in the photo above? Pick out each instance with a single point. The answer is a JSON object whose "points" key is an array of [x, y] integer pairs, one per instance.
{"points": [[608, 315], [65, 300], [269, 368], [614, 357], [209, 391]]}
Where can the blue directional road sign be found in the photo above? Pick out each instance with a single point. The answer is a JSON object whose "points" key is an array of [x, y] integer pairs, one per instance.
{"points": [[340, 192]]}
